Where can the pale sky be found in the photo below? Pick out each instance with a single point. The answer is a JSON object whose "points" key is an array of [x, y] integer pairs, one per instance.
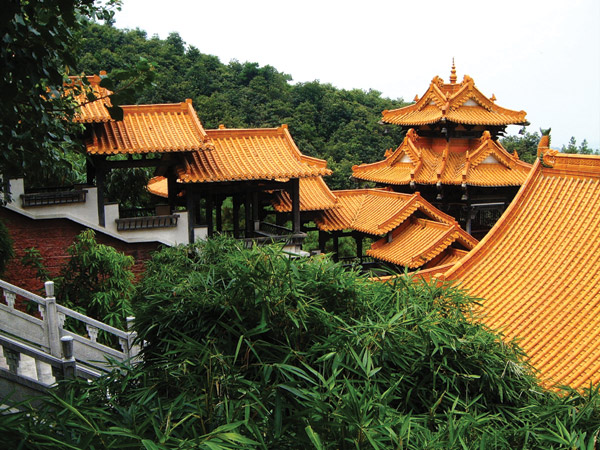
{"points": [[540, 56]]}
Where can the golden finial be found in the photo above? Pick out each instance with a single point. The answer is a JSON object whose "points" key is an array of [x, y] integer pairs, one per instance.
{"points": [[453, 73]]}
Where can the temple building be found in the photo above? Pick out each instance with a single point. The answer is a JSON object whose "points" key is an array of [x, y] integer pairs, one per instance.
{"points": [[452, 155], [539, 269], [406, 231], [410, 233]]}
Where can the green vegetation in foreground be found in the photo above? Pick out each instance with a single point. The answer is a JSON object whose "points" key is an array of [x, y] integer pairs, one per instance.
{"points": [[247, 348]]}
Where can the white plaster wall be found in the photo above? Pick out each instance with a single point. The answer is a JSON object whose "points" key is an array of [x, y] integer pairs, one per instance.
{"points": [[86, 214]]}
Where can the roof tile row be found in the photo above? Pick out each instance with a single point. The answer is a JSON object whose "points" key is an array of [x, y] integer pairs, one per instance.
{"points": [[539, 271]]}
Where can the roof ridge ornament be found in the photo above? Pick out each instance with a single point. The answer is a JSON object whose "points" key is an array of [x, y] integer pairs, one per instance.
{"points": [[453, 73], [546, 155]]}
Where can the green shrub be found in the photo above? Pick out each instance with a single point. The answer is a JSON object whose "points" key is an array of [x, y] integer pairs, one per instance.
{"points": [[249, 348], [96, 280]]}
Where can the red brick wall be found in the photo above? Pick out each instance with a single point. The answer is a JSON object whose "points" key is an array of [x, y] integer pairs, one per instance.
{"points": [[52, 237]]}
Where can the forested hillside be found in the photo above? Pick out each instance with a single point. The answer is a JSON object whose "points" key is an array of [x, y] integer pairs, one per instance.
{"points": [[338, 125]]}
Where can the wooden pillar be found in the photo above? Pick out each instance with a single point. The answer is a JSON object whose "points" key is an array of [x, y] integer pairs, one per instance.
{"points": [[219, 207], [469, 219], [209, 213], [359, 248], [255, 207], [90, 171], [236, 216], [295, 194], [100, 181], [248, 214], [191, 202], [172, 189], [323, 238], [336, 247]]}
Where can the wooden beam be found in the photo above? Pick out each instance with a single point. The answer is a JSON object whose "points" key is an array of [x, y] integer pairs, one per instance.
{"points": [[131, 164]]}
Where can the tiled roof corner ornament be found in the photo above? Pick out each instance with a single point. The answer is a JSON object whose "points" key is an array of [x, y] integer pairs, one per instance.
{"points": [[485, 136], [493, 98], [438, 81], [412, 135], [545, 153], [416, 99], [515, 155], [388, 152]]}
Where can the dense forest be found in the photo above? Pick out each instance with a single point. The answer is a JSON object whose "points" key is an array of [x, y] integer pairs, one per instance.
{"points": [[341, 126]]}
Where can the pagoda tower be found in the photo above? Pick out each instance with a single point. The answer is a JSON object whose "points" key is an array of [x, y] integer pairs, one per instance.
{"points": [[452, 155]]}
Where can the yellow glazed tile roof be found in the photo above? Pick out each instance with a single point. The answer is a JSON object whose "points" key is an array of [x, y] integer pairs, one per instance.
{"points": [[425, 160], [315, 195], [90, 112], [418, 241], [460, 103], [159, 186], [150, 129], [250, 154], [375, 211], [538, 270]]}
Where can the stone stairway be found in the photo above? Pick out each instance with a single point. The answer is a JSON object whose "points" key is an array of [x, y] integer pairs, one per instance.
{"points": [[38, 349]]}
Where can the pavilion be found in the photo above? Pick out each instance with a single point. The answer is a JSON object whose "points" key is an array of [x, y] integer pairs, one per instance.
{"points": [[452, 155]]}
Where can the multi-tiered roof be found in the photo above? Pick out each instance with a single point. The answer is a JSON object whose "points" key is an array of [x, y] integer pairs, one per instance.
{"points": [[462, 105], [452, 139]]}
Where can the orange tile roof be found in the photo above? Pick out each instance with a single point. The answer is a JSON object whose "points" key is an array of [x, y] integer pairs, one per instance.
{"points": [[250, 154], [425, 160], [460, 103], [315, 195], [375, 211], [90, 112], [449, 257], [418, 241], [538, 270], [159, 186], [150, 128]]}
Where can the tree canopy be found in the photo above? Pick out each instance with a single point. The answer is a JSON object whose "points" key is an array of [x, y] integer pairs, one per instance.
{"points": [[341, 126]]}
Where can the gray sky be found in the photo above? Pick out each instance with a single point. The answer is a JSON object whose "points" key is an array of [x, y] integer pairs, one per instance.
{"points": [[541, 56]]}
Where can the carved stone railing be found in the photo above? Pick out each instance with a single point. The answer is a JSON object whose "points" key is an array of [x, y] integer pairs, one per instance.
{"points": [[58, 197], [28, 371], [146, 223], [44, 330]]}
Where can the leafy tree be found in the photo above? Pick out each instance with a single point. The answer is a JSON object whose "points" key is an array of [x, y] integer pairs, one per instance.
{"points": [[96, 280], [582, 149], [525, 144], [36, 53]]}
